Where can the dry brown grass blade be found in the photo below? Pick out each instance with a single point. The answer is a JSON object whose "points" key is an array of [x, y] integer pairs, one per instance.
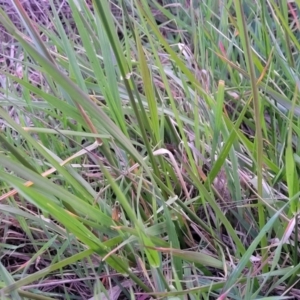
{"points": [[52, 170], [266, 67], [175, 165]]}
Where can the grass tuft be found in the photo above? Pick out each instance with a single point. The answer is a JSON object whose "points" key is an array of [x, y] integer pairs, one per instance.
{"points": [[149, 149]]}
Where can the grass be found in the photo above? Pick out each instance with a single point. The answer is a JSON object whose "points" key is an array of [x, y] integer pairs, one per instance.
{"points": [[149, 149]]}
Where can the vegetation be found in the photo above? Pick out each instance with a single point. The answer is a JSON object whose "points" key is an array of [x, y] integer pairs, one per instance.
{"points": [[150, 150]]}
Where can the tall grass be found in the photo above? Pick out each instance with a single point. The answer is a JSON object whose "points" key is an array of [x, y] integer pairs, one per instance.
{"points": [[158, 154]]}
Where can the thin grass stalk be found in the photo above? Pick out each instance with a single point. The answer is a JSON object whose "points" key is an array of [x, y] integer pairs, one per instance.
{"points": [[264, 27], [258, 128], [33, 296], [290, 59], [128, 80], [291, 172]]}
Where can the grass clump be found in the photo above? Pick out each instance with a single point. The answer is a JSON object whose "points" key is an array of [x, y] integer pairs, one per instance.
{"points": [[150, 150]]}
